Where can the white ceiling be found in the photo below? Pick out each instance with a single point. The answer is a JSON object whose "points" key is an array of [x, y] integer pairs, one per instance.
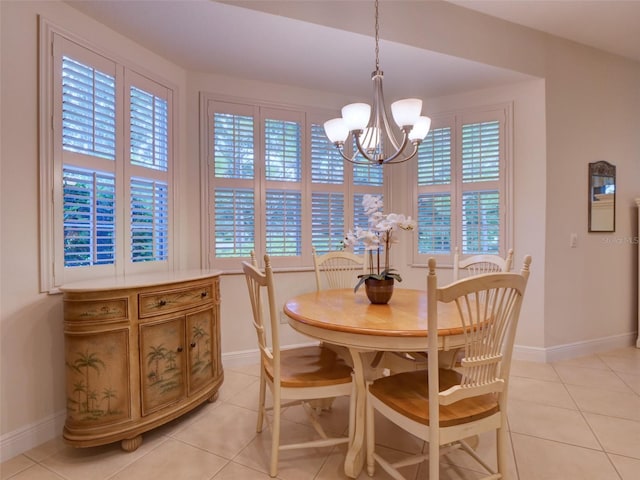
{"points": [[206, 36], [609, 25]]}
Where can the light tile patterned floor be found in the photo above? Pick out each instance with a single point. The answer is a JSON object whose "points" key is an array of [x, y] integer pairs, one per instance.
{"points": [[572, 420]]}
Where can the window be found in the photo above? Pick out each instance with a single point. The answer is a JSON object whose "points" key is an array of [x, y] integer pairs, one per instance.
{"points": [[108, 179], [461, 197], [276, 185]]}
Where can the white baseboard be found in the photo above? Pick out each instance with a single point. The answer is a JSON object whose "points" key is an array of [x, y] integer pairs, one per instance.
{"points": [[573, 350], [28, 437], [240, 358], [251, 357]]}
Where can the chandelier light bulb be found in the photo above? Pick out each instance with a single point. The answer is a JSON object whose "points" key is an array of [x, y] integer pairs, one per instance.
{"points": [[420, 129], [406, 112], [356, 115], [336, 130]]}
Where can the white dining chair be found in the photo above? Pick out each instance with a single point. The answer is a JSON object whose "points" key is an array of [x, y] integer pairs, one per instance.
{"points": [[479, 264], [337, 269], [298, 375], [442, 406]]}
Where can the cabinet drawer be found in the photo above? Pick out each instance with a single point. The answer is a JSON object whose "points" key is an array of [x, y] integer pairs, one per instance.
{"points": [[108, 310], [167, 301]]}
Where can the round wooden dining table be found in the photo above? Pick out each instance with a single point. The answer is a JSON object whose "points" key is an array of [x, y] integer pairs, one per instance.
{"points": [[342, 317]]}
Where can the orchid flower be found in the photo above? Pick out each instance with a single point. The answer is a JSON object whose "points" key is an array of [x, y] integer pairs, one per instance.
{"points": [[381, 234]]}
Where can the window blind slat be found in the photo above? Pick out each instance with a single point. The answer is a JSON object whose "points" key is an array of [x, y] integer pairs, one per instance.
{"points": [[234, 222], [327, 221], [283, 150], [149, 130], [434, 223], [88, 110], [233, 150], [89, 217], [283, 210], [481, 152], [367, 174], [481, 222], [434, 158], [327, 165], [149, 220]]}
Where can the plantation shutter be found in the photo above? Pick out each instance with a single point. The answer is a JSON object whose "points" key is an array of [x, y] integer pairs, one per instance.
{"points": [[149, 205], [327, 197], [481, 216], [149, 130], [462, 185], [88, 145], [149, 220], [89, 201], [284, 223], [88, 110], [283, 174], [234, 216], [434, 223], [234, 222], [434, 167]]}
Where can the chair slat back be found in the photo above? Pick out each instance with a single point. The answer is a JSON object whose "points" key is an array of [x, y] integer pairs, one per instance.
{"points": [[339, 269], [489, 308], [480, 264], [257, 284]]}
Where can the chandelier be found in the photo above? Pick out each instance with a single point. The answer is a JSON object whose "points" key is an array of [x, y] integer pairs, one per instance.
{"points": [[371, 129]]}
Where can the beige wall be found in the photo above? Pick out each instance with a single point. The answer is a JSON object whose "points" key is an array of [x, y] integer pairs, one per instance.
{"points": [[585, 109], [31, 337]]}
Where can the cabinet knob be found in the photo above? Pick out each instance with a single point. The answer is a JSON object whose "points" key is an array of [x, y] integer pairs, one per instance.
{"points": [[203, 294], [192, 344], [179, 349], [162, 303]]}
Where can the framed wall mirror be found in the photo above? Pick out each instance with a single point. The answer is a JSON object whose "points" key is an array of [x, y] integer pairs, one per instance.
{"points": [[602, 197]]}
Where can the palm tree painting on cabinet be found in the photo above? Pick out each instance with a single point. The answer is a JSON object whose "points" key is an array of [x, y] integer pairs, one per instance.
{"points": [[99, 378], [162, 363]]}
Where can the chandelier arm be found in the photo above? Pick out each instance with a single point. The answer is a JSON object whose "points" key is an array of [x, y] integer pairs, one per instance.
{"points": [[403, 159], [363, 152], [399, 150], [382, 113], [350, 159]]}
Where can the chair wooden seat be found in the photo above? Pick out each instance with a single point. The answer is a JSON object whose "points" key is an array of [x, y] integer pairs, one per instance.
{"points": [[314, 366], [414, 401]]}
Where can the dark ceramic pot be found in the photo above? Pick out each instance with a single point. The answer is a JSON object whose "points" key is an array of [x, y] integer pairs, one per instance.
{"points": [[379, 291]]}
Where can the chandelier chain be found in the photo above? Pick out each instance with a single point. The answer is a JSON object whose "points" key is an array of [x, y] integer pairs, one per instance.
{"points": [[377, 37]]}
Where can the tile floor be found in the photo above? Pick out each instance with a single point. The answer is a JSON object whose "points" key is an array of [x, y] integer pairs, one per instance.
{"points": [[573, 420]]}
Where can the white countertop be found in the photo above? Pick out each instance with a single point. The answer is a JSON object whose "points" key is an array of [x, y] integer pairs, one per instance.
{"points": [[139, 280]]}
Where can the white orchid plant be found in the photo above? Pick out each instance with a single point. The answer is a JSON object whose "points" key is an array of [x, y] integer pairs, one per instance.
{"points": [[381, 234]]}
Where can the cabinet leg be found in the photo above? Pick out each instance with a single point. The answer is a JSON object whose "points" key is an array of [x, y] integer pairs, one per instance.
{"points": [[131, 444], [213, 397]]}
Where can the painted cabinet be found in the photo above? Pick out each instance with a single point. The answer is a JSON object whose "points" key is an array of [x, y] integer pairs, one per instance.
{"points": [[139, 353]]}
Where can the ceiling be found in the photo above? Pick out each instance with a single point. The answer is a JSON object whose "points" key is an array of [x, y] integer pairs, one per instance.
{"points": [[609, 25], [216, 41]]}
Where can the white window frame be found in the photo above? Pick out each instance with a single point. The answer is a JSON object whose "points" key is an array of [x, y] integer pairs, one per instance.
{"points": [[307, 116], [503, 113], [53, 273]]}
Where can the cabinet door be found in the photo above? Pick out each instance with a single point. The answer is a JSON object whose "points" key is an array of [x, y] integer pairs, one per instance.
{"points": [[98, 389], [162, 363], [202, 348]]}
